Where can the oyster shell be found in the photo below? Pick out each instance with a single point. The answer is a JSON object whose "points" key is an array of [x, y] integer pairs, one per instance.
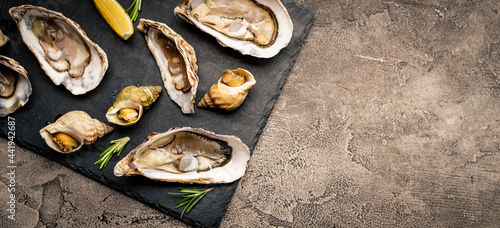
{"points": [[230, 91], [3, 38], [63, 49], [130, 102], [260, 28], [187, 155], [72, 130], [15, 87], [176, 60]]}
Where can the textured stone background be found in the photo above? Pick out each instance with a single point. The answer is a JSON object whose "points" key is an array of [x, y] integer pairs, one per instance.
{"points": [[389, 118]]}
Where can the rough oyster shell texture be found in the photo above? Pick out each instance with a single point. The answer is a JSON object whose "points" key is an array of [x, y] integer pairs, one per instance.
{"points": [[187, 155], [15, 86], [62, 48], [132, 97], [77, 124], [260, 28], [230, 91], [176, 60]]}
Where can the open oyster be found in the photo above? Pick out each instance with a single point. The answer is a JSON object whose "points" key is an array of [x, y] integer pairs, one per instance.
{"points": [[176, 60], [3, 38], [187, 155], [260, 28], [72, 130], [63, 49], [230, 91], [15, 87], [130, 102]]}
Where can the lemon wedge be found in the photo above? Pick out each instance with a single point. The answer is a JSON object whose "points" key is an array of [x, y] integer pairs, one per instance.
{"points": [[116, 17]]}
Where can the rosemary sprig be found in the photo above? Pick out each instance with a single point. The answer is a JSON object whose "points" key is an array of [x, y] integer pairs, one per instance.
{"points": [[135, 7], [191, 197], [116, 148]]}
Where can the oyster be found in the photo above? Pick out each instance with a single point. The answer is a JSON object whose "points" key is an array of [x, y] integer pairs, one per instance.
{"points": [[176, 60], [63, 49], [72, 130], [3, 38], [260, 28], [15, 87], [230, 91], [130, 102], [187, 155]]}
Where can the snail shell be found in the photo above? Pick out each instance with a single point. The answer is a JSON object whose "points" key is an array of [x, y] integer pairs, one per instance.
{"points": [[230, 91], [132, 97], [79, 126]]}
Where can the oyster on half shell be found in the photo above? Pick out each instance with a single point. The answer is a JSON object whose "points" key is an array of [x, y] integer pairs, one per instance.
{"points": [[15, 87], [260, 28], [63, 49], [187, 155], [3, 38], [176, 60]]}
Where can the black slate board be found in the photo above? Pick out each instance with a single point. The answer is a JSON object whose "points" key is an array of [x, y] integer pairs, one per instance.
{"points": [[131, 63]]}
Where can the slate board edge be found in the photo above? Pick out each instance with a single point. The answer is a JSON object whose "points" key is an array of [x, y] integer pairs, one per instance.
{"points": [[86, 172], [293, 58]]}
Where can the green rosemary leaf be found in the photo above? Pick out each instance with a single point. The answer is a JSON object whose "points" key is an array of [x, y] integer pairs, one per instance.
{"points": [[196, 201], [190, 198], [116, 148], [135, 7], [178, 194], [182, 204], [191, 191], [182, 201], [184, 211]]}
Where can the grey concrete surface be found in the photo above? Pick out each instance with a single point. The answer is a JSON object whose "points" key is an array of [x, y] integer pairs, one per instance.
{"points": [[389, 118]]}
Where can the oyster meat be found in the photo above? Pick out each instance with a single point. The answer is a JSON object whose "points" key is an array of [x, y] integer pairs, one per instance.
{"points": [[187, 155], [260, 28], [3, 38], [72, 130], [230, 91], [63, 49], [176, 60], [130, 102], [15, 87]]}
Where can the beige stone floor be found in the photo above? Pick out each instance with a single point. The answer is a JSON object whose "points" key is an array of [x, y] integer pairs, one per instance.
{"points": [[389, 118]]}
